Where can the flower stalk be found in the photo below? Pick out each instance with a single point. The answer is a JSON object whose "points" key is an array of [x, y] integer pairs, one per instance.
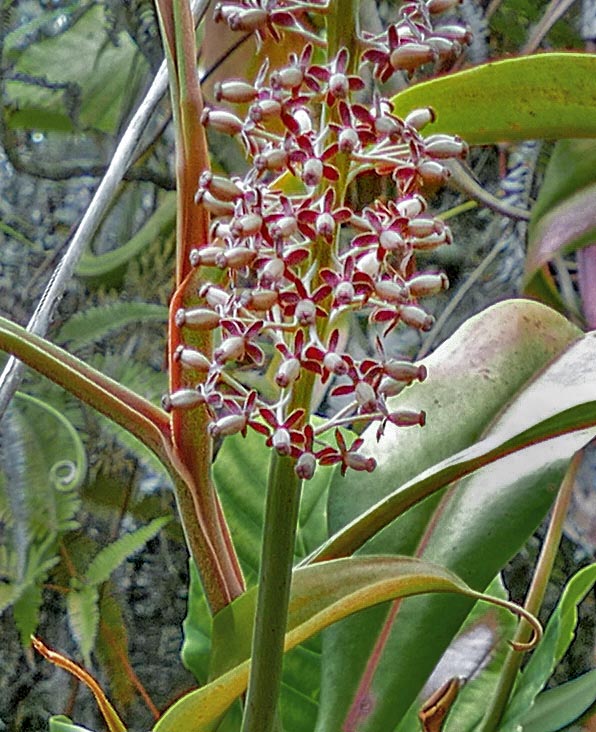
{"points": [[278, 272]]}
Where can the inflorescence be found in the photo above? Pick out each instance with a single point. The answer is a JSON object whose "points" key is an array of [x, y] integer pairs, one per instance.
{"points": [[289, 266]]}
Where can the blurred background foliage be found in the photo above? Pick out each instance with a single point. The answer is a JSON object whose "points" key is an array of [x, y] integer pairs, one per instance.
{"points": [[72, 74]]}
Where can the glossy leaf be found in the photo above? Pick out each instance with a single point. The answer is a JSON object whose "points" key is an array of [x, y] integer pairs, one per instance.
{"points": [[546, 96], [321, 595], [558, 635], [501, 350], [556, 708]]}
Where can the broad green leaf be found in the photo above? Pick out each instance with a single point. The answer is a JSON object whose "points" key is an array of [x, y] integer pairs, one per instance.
{"points": [[83, 617], [112, 556], [558, 635], [556, 708], [548, 96], [94, 323], [321, 594], [487, 362], [85, 60], [563, 218], [60, 723]]}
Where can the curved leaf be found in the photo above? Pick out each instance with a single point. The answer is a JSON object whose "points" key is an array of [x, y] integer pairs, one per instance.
{"points": [[321, 595], [143, 419], [160, 224], [547, 96]]}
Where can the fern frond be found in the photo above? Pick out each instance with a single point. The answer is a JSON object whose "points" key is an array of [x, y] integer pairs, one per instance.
{"points": [[95, 323], [112, 649], [112, 556], [82, 605], [26, 612]]}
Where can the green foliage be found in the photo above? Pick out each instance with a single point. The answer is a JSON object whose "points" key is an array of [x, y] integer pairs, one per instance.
{"points": [[114, 554], [510, 397], [558, 635], [540, 97], [44, 465], [77, 80], [555, 709], [95, 323]]}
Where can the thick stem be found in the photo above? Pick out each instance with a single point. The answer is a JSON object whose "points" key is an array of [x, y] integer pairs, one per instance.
{"points": [[534, 598], [277, 554]]}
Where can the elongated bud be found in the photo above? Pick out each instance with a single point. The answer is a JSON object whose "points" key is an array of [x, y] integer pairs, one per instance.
{"points": [[356, 461], [288, 372], [192, 359], [425, 285], [407, 418], [235, 91], [424, 226], [404, 370], [231, 424], [205, 256], [412, 206], [197, 318], [416, 317], [232, 349], [274, 159], [236, 257], [247, 225], [182, 399], [222, 188], [419, 118], [391, 291], [259, 300], [212, 204], [433, 173], [222, 121], [410, 56], [215, 296], [445, 146]]}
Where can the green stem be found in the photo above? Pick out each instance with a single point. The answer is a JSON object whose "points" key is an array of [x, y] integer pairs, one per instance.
{"points": [[277, 554], [534, 598]]}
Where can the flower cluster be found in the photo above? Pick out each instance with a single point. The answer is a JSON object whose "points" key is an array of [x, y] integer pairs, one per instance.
{"points": [[289, 266]]}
